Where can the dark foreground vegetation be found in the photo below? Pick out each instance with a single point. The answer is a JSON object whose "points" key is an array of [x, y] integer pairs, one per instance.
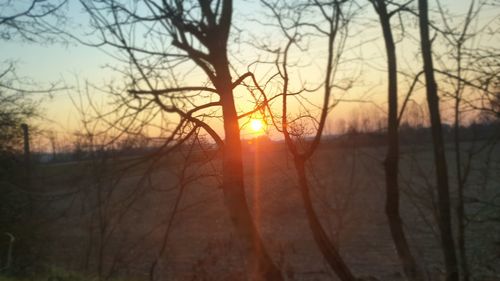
{"points": [[106, 217]]}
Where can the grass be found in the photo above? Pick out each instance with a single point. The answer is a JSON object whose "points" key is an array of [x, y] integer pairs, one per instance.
{"points": [[57, 274], [349, 191]]}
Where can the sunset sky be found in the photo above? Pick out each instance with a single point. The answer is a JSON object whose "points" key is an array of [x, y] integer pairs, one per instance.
{"points": [[70, 64]]}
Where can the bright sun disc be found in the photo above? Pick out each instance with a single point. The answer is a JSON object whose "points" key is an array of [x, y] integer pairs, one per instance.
{"points": [[257, 125]]}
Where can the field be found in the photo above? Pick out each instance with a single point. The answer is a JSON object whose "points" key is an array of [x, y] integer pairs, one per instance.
{"points": [[113, 217]]}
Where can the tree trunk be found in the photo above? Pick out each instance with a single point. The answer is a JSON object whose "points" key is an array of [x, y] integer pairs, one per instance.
{"points": [[461, 178], [325, 245], [447, 241], [259, 263], [460, 207], [391, 164]]}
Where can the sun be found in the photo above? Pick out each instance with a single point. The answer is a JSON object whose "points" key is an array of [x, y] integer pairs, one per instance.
{"points": [[257, 125]]}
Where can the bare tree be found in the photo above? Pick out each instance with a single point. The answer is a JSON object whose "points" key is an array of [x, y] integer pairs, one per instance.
{"points": [[469, 78], [335, 17], [199, 33], [466, 81], [391, 163], [31, 20], [24, 21], [458, 40], [443, 188]]}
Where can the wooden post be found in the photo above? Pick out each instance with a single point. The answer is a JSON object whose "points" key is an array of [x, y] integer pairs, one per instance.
{"points": [[27, 163], [27, 157]]}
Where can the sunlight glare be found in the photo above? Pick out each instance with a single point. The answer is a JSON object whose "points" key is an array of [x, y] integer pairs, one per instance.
{"points": [[257, 125]]}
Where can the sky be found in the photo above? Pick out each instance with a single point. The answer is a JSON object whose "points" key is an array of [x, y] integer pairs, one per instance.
{"points": [[70, 65]]}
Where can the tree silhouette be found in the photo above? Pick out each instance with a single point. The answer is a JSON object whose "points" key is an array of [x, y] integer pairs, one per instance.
{"points": [[175, 36], [335, 18], [32, 20], [391, 163], [443, 188]]}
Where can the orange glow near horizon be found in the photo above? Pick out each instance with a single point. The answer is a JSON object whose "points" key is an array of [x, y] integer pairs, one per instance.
{"points": [[257, 126]]}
